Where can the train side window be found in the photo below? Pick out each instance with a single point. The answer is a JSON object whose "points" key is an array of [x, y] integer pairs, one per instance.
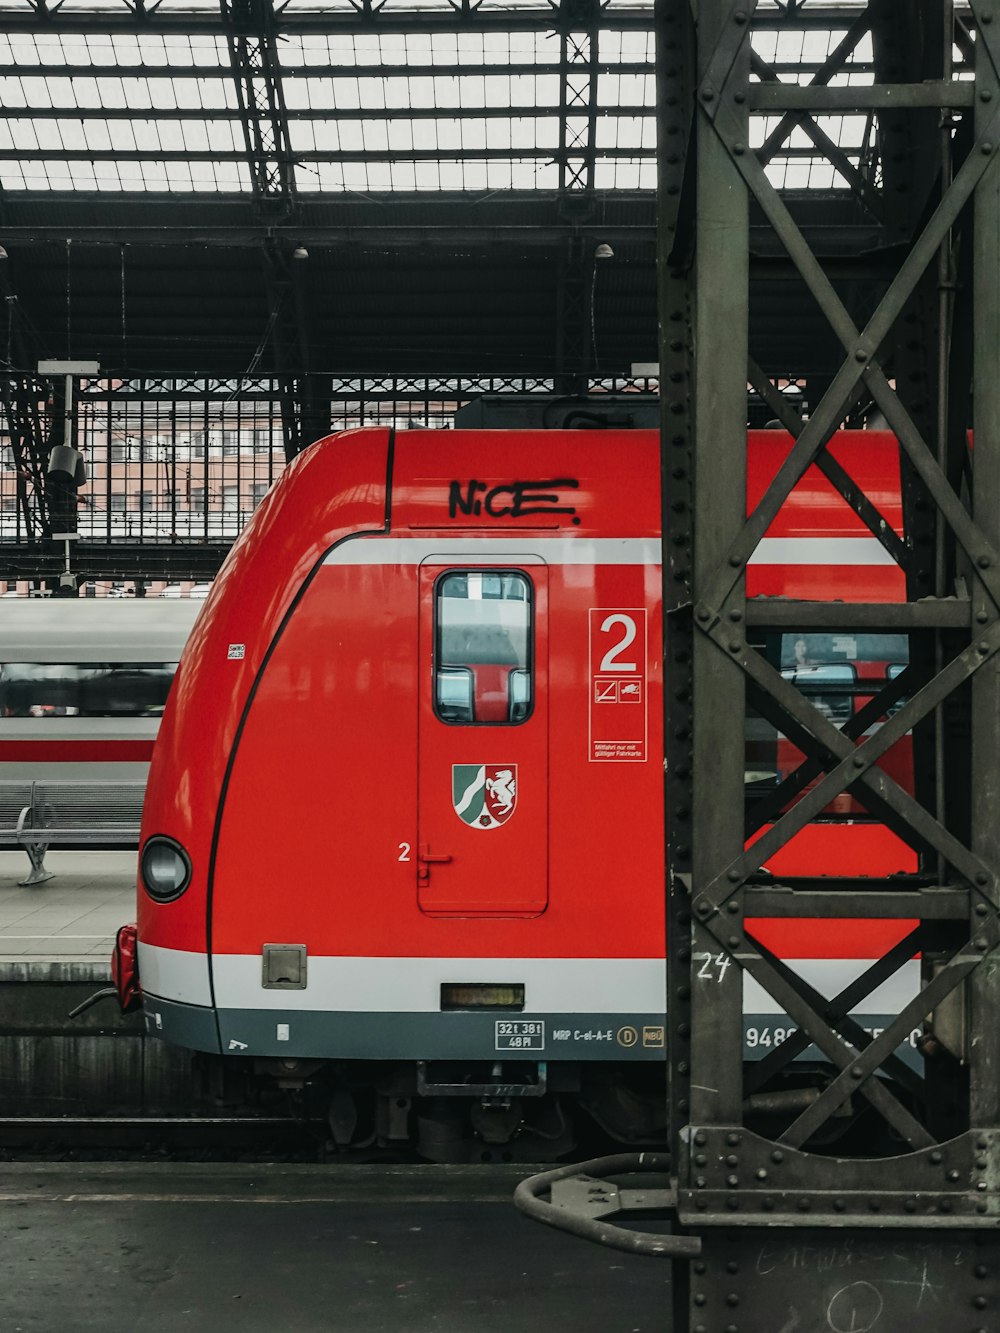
{"points": [[829, 687], [50, 689], [483, 670]]}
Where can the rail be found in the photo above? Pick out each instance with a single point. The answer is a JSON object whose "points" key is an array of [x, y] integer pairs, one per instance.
{"points": [[37, 815]]}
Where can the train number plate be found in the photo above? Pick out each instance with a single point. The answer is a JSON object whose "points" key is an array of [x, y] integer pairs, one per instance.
{"points": [[520, 1034]]}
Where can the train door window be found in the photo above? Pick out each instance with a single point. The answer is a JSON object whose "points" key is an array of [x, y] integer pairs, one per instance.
{"points": [[892, 671], [483, 667], [830, 687]]}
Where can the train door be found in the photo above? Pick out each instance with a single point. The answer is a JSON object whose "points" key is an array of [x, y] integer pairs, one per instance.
{"points": [[483, 752]]}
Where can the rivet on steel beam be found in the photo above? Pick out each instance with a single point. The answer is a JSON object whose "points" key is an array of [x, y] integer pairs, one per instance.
{"points": [[768, 1205], [986, 149], [733, 941], [700, 1182], [982, 649], [982, 877], [935, 1158], [735, 561], [701, 1267], [701, 1138], [804, 1205], [777, 1157], [910, 1205], [702, 613], [981, 617], [700, 1298], [981, 1163], [700, 1202], [986, 95], [860, 354], [739, 149], [734, 645], [981, 944], [733, 906], [761, 1174], [981, 909], [733, 876], [981, 1186], [703, 908], [732, 1181], [735, 615], [875, 1205], [700, 1160], [707, 94], [986, 18], [732, 1138], [739, 98], [732, 1160], [982, 1144], [980, 1270], [859, 761], [857, 1072], [732, 1298], [980, 1302], [739, 17], [839, 1205], [732, 1266]]}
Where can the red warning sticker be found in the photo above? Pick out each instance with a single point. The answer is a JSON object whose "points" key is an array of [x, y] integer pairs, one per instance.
{"points": [[618, 671]]}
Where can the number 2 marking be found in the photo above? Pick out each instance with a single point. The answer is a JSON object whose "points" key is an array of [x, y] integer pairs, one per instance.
{"points": [[608, 662], [404, 851]]}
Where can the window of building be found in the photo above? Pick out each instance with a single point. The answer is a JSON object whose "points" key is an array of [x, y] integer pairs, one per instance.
{"points": [[483, 668]]}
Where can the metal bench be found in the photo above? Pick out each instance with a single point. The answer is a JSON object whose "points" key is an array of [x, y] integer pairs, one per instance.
{"points": [[36, 815]]}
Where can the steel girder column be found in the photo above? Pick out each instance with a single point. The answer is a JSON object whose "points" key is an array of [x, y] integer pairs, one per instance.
{"points": [[251, 31], [578, 38], [985, 731], [737, 1174]]}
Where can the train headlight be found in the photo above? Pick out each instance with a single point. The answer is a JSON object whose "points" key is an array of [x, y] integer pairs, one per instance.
{"points": [[165, 869]]}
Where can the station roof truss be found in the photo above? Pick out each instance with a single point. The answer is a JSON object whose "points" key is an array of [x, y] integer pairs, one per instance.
{"points": [[321, 190]]}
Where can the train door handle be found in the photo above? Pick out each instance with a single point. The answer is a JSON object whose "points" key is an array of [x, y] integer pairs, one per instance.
{"points": [[426, 854], [426, 858]]}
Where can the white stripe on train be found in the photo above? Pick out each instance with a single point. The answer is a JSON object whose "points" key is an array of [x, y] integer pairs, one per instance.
{"points": [[412, 985], [504, 547]]}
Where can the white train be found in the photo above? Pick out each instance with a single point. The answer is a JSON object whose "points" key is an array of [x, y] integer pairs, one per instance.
{"points": [[83, 683]]}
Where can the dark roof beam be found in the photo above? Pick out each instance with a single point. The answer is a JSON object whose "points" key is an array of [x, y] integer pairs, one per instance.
{"points": [[250, 33], [324, 114]]}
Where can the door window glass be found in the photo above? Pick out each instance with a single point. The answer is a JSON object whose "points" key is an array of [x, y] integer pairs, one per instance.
{"points": [[483, 670]]}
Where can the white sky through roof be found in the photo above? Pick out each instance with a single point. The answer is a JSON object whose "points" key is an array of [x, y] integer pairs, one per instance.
{"points": [[471, 110]]}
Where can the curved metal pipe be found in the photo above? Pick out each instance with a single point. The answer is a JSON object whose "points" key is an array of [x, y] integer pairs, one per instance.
{"points": [[603, 1233]]}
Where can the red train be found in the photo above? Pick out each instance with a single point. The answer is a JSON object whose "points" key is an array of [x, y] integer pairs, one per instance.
{"points": [[403, 828]]}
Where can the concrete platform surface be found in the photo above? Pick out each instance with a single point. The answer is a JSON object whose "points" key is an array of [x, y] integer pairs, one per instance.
{"points": [[302, 1249], [74, 915]]}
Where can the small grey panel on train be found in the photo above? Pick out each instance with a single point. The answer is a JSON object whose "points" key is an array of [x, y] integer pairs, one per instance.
{"points": [[284, 967]]}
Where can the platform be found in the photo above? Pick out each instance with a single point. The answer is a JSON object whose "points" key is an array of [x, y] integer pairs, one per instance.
{"points": [[327, 1249], [72, 917]]}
